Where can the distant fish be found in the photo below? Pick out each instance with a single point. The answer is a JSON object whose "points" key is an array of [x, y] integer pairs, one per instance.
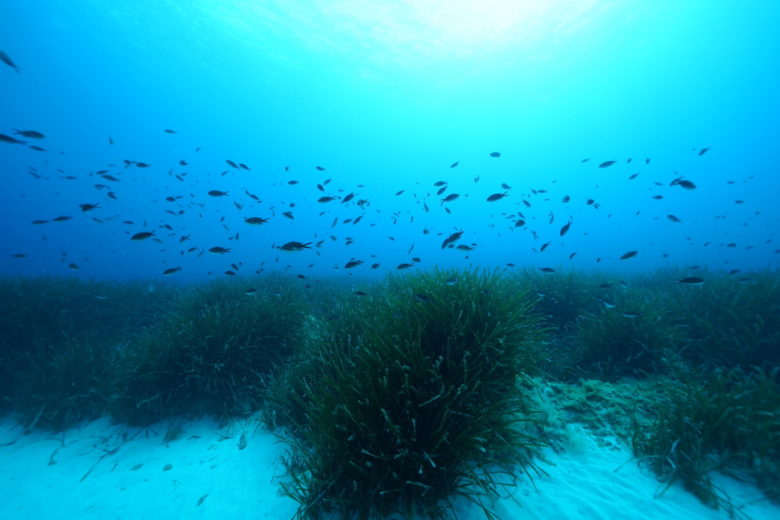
{"points": [[352, 263], [142, 235], [453, 165], [251, 292], [673, 218], [62, 218], [607, 164], [703, 151], [547, 269], [295, 246], [8, 61], [629, 254], [219, 250], [255, 220], [686, 184], [218, 193], [171, 270], [31, 134], [496, 196], [169, 131], [495, 154], [8, 139], [231, 163], [565, 228], [690, 280], [404, 266], [452, 280], [88, 207], [565, 199], [450, 197], [452, 238]]}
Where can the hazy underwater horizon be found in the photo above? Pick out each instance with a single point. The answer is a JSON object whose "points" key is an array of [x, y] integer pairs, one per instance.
{"points": [[419, 240]]}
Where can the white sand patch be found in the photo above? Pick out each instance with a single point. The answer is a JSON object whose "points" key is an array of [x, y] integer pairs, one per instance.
{"points": [[107, 471]]}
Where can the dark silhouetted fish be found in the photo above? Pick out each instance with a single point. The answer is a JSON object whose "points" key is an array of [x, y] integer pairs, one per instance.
{"points": [[30, 134], [142, 235], [495, 154], [607, 164], [496, 196], [255, 220], [8, 61], [295, 246], [8, 139], [629, 254]]}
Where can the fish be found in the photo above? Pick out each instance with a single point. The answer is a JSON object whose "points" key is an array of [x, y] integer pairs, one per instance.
{"points": [[8, 139], [607, 164], [547, 269], [453, 165], [441, 190], [690, 280], [631, 315], [171, 270], [8, 61], [244, 166], [628, 254], [544, 246], [565, 228], [360, 293], [404, 266], [61, 218], [633, 176], [606, 303], [348, 197], [519, 223], [217, 193], [169, 131], [231, 163], [352, 263], [325, 199], [450, 197], [452, 280], [295, 246], [423, 297], [38, 222], [703, 151], [88, 207], [673, 218], [565, 199], [320, 168], [255, 220], [219, 250], [496, 196], [452, 238], [506, 186], [73, 266], [495, 154], [36, 148], [683, 183], [31, 134], [142, 235], [251, 292], [289, 214]]}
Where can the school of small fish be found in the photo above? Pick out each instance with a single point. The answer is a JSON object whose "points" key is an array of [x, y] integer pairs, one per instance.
{"points": [[344, 205]]}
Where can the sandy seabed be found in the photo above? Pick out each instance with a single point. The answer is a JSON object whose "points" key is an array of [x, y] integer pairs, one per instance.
{"points": [[100, 470]]}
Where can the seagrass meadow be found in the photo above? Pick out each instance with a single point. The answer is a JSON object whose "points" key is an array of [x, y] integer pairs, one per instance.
{"points": [[389, 259], [399, 395]]}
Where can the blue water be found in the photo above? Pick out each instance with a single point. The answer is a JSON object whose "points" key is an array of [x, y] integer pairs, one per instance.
{"points": [[385, 96]]}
